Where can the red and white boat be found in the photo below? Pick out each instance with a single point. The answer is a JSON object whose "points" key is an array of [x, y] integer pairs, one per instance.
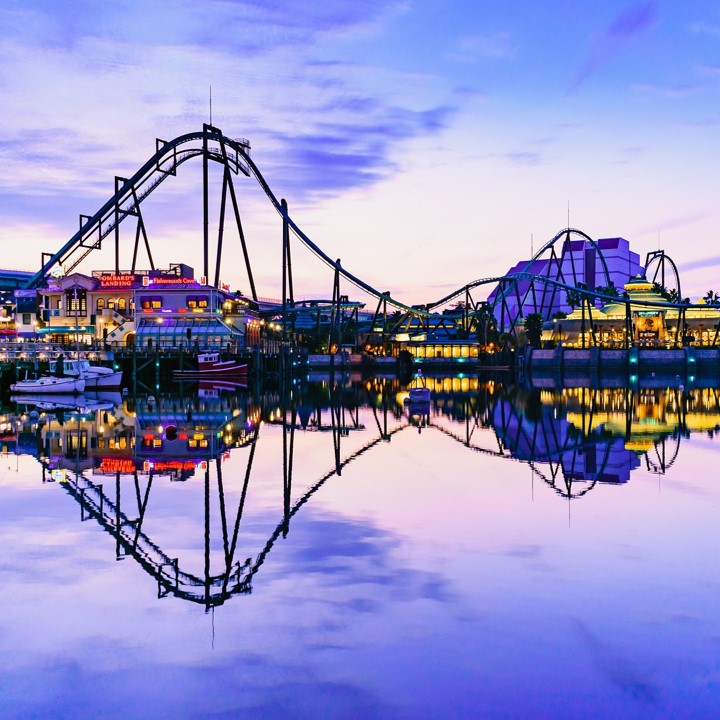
{"points": [[210, 365]]}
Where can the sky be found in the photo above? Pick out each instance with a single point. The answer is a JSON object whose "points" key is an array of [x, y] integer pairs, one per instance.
{"points": [[425, 144]]}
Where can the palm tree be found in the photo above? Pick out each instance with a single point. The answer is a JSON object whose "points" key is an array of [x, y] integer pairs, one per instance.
{"points": [[712, 297], [607, 290], [573, 298]]}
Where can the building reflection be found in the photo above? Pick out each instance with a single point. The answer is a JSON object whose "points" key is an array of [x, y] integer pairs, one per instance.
{"points": [[109, 453]]}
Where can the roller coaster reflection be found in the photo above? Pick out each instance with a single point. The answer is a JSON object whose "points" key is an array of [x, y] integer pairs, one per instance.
{"points": [[574, 439]]}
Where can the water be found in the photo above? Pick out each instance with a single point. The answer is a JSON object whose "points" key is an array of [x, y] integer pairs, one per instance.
{"points": [[507, 552]]}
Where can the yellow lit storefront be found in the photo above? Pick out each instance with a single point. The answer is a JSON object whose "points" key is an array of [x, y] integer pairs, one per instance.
{"points": [[443, 351], [661, 326]]}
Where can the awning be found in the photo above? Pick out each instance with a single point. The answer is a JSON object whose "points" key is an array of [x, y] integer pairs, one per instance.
{"points": [[178, 328], [64, 329]]}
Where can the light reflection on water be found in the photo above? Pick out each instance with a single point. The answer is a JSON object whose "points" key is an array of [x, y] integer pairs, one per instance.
{"points": [[500, 552]]}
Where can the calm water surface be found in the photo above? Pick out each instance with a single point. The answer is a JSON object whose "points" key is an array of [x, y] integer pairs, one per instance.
{"points": [[505, 552]]}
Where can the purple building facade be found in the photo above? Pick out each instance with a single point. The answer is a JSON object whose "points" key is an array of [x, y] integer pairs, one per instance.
{"points": [[578, 264]]}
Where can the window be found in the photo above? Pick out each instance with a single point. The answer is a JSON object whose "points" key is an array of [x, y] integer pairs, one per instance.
{"points": [[26, 318], [197, 301], [76, 302], [111, 304], [100, 305], [122, 304], [151, 302]]}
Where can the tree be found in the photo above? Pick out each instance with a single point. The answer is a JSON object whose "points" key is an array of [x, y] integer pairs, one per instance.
{"points": [[608, 290], [456, 309], [506, 340], [573, 298], [533, 329], [670, 295], [485, 324], [712, 298]]}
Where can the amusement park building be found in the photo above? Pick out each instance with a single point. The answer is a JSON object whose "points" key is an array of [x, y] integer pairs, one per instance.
{"points": [[642, 317], [169, 308], [578, 264]]}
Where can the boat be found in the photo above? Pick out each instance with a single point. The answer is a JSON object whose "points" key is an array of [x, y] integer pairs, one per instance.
{"points": [[419, 395], [418, 392], [103, 397], [211, 365], [50, 401], [96, 376], [214, 386], [49, 384]]}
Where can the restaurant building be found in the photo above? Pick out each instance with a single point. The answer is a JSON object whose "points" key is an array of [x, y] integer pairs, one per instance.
{"points": [[627, 321], [166, 308]]}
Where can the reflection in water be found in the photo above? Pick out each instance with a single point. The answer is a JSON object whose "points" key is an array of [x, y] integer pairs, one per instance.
{"points": [[109, 453]]}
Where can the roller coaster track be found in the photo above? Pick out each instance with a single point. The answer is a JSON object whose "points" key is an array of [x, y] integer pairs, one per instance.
{"points": [[541, 444], [164, 163], [234, 154], [212, 590]]}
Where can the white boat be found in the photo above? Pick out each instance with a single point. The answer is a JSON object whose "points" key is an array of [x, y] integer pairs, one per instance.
{"points": [[49, 384], [96, 376], [50, 402]]}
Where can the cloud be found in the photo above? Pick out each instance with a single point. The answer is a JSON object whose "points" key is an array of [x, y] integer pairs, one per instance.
{"points": [[471, 48], [703, 28], [524, 157], [630, 25], [671, 92], [635, 21], [709, 70], [349, 152], [702, 263], [346, 552], [674, 223], [327, 125]]}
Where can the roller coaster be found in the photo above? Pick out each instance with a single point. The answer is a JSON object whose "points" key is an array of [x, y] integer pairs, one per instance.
{"points": [[497, 301], [570, 455]]}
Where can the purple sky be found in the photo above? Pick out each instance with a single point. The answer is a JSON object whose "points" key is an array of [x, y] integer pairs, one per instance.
{"points": [[423, 143]]}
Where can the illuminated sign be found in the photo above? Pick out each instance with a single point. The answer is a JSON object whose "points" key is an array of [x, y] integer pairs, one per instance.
{"points": [[165, 465], [58, 476], [123, 280], [171, 281], [116, 465]]}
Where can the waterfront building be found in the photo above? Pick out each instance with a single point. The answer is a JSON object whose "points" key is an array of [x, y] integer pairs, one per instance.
{"points": [[626, 319], [169, 308], [78, 309]]}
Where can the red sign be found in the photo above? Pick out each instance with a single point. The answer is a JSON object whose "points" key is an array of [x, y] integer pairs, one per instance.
{"points": [[172, 281], [165, 465], [124, 280], [112, 465]]}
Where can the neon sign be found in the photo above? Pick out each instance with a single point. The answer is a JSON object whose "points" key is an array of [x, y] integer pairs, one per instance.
{"points": [[116, 465], [178, 465], [124, 280], [171, 281]]}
